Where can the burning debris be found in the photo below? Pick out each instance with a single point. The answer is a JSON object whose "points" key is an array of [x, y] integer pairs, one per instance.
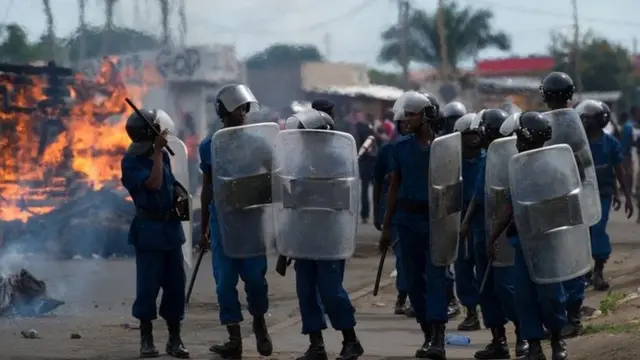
{"points": [[21, 294]]}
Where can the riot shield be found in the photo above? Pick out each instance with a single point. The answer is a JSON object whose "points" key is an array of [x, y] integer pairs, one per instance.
{"points": [[445, 197], [496, 190], [242, 158], [180, 169], [545, 192], [567, 128], [510, 125], [316, 193]]}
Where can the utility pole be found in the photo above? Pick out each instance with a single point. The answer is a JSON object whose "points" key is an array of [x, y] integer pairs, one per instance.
{"points": [[327, 46], [442, 35], [403, 25], [576, 49], [183, 24]]}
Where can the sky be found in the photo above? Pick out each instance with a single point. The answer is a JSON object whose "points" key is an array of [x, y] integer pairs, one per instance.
{"points": [[344, 30]]}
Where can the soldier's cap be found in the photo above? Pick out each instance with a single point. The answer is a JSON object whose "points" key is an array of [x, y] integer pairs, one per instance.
{"points": [[322, 105]]}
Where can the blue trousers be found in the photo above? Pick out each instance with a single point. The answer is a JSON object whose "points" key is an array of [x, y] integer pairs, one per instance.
{"points": [[497, 301], [538, 306], [450, 280], [227, 271], [465, 277], [157, 270], [401, 283], [600, 242], [426, 283], [318, 284]]}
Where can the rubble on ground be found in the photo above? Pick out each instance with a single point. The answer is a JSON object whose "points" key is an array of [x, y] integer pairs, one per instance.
{"points": [[21, 294]]}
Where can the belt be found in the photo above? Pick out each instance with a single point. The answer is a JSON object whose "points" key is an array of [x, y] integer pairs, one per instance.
{"points": [[413, 206], [156, 216]]}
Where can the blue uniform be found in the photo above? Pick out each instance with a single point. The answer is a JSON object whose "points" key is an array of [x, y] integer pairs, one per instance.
{"points": [[466, 286], [381, 174], [537, 305], [497, 301], [227, 271], [157, 243], [426, 283]]}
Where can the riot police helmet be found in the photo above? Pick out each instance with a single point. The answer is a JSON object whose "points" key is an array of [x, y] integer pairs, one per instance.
{"points": [[142, 130], [490, 123], [450, 113], [433, 100], [592, 113], [533, 131], [607, 113], [232, 96], [557, 87], [413, 102], [310, 119], [323, 105]]}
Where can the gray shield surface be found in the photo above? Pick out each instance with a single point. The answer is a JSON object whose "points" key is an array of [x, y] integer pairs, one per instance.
{"points": [[545, 193], [496, 190], [445, 197], [242, 159], [567, 128], [510, 124], [180, 169], [316, 194]]}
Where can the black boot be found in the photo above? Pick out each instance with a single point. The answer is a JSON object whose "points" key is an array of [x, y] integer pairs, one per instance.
{"points": [[401, 302], [263, 340], [599, 283], [427, 330], [471, 322], [232, 349], [497, 348], [535, 351], [175, 347], [436, 349], [351, 347], [522, 346], [558, 347], [588, 279], [316, 350], [573, 327], [147, 347], [409, 311]]}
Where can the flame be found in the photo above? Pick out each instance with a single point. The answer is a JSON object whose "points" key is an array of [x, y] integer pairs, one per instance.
{"points": [[39, 168]]}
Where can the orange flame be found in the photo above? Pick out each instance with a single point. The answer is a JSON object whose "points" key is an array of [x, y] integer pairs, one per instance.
{"points": [[35, 177]]}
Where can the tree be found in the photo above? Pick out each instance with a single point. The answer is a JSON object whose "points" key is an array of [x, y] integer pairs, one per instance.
{"points": [[121, 41], [164, 13], [468, 31], [283, 55], [15, 46], [50, 37], [604, 66]]}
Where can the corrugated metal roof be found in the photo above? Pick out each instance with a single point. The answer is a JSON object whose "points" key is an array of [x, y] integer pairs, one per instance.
{"points": [[380, 92]]}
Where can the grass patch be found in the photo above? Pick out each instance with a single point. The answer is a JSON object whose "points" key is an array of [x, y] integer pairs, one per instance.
{"points": [[611, 328], [611, 301]]}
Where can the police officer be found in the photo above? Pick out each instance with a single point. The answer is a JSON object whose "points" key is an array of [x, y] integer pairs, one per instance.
{"points": [[408, 195], [227, 270], [450, 114], [537, 305], [607, 157], [319, 282], [465, 279], [381, 174], [156, 232], [497, 300]]}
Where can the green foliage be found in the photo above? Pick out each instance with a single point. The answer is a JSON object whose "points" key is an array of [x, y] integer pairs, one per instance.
{"points": [[283, 55], [468, 31], [625, 328], [611, 301]]}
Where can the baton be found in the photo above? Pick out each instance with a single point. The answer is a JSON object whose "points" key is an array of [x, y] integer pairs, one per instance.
{"points": [[135, 108], [486, 275], [376, 286], [194, 275]]}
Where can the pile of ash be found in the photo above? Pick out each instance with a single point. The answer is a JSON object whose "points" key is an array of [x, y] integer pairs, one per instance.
{"points": [[21, 294]]}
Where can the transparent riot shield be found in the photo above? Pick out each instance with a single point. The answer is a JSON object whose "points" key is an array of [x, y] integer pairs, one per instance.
{"points": [[567, 128], [316, 194], [546, 196], [242, 159], [496, 190], [445, 197], [180, 169]]}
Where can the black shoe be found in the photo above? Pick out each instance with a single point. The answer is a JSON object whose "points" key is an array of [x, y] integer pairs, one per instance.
{"points": [[351, 347], [599, 283], [263, 340], [522, 346], [497, 348], [175, 346], [409, 311], [471, 322], [427, 330], [147, 347], [453, 309], [558, 347], [436, 349], [573, 327], [401, 305], [535, 351], [316, 350], [232, 349]]}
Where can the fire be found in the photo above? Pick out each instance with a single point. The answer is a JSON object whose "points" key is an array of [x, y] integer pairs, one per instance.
{"points": [[49, 152]]}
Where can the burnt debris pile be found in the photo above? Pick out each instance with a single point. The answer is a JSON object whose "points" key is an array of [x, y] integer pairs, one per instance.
{"points": [[21, 294]]}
